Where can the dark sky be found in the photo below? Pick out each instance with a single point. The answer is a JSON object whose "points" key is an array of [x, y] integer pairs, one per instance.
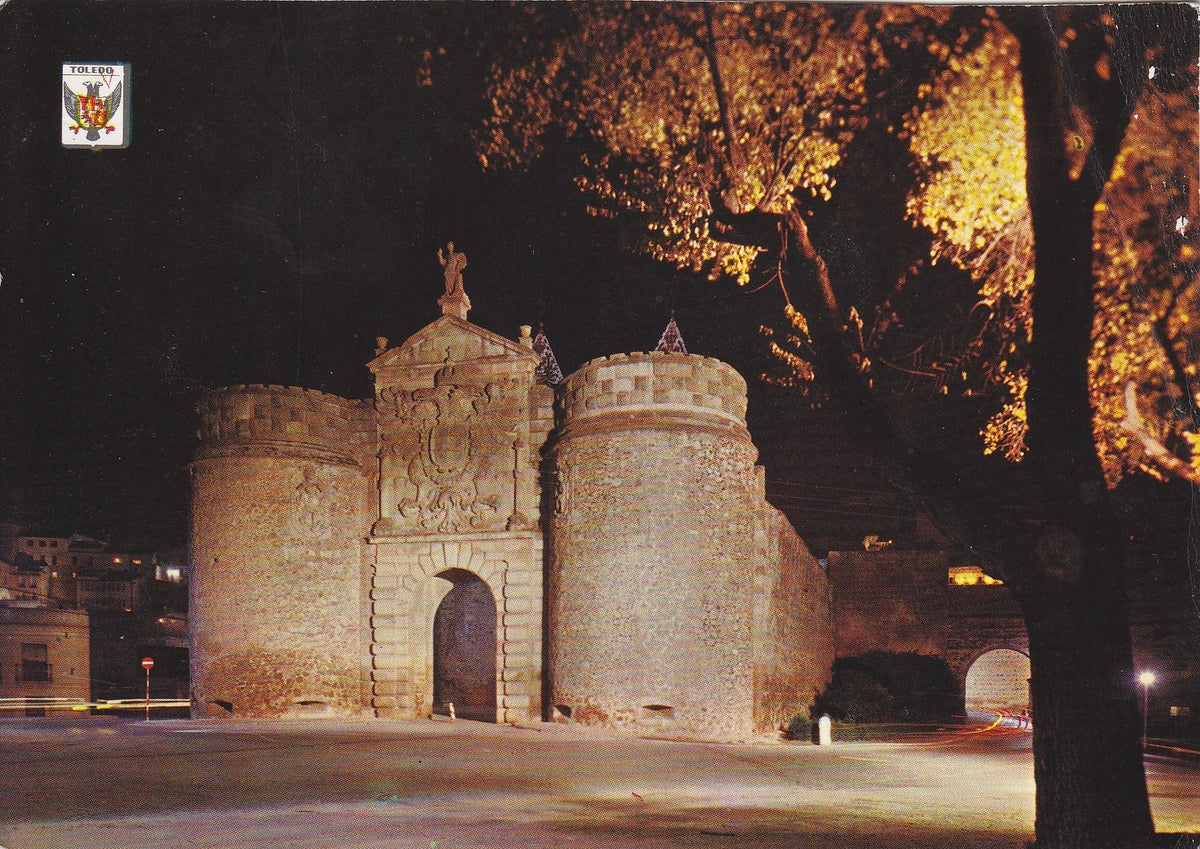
{"points": [[280, 205]]}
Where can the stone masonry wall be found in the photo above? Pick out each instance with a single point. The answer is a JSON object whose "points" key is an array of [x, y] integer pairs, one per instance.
{"points": [[889, 601], [461, 424], [412, 577], [652, 571], [793, 635], [277, 522], [666, 595], [666, 382]]}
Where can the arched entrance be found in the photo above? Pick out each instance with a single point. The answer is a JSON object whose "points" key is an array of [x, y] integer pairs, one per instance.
{"points": [[999, 680], [464, 648]]}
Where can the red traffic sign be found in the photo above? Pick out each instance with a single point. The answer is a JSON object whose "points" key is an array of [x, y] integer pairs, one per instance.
{"points": [[147, 663]]}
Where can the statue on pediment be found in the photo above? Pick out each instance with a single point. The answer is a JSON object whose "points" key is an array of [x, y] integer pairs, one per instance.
{"points": [[453, 263], [455, 300]]}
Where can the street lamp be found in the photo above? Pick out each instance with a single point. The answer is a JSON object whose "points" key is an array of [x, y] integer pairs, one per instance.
{"points": [[1146, 679]]}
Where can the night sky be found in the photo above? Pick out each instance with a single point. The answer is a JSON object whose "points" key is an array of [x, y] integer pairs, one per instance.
{"points": [[280, 205]]}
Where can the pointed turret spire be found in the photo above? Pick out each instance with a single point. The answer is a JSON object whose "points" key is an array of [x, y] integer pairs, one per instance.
{"points": [[547, 371], [672, 341]]}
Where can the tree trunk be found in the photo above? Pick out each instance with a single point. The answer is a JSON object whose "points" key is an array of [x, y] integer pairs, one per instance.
{"points": [[1090, 782], [1057, 537]]}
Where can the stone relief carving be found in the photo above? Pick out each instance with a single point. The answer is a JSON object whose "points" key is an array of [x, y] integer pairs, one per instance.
{"points": [[560, 483], [436, 437], [312, 503]]}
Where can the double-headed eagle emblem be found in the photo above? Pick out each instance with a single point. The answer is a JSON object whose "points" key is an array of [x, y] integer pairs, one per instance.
{"points": [[90, 111]]}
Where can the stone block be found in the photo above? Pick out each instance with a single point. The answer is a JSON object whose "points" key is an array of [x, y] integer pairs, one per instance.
{"points": [[385, 680], [516, 689], [385, 607], [526, 675], [513, 591], [384, 623], [521, 656], [385, 579], [516, 576], [522, 632], [530, 621], [518, 610]]}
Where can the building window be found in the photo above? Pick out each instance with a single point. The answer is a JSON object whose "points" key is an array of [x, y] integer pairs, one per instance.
{"points": [[34, 665]]}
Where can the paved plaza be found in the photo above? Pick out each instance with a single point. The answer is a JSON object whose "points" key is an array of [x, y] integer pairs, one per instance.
{"points": [[436, 785]]}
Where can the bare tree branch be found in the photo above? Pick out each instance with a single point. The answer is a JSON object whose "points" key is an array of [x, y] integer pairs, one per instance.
{"points": [[1154, 450]]}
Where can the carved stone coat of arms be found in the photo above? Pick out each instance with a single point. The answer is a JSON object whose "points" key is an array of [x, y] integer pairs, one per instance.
{"points": [[437, 442]]}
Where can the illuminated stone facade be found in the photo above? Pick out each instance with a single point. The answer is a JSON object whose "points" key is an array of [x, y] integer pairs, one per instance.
{"points": [[677, 597], [439, 543]]}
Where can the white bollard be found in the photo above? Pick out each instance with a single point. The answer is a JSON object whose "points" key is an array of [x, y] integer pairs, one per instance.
{"points": [[824, 731], [450, 705]]}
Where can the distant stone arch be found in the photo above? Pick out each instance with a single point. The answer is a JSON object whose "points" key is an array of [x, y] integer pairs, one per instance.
{"points": [[464, 648], [998, 680]]}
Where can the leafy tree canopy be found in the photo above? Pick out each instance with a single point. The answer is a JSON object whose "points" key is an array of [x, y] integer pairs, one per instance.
{"points": [[694, 114]]}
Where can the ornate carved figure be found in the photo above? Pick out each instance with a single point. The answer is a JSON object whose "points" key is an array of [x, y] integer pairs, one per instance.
{"points": [[453, 263], [442, 462], [311, 501], [560, 489]]}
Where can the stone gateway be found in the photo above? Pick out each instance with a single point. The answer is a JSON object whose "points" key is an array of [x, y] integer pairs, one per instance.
{"points": [[597, 551]]}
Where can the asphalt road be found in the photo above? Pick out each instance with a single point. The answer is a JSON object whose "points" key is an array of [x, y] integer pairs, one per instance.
{"points": [[436, 785]]}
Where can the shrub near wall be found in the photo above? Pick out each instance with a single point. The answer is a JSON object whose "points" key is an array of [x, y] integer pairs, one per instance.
{"points": [[890, 687]]}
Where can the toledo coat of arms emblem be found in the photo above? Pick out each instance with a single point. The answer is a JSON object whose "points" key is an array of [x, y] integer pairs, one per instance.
{"points": [[94, 115]]}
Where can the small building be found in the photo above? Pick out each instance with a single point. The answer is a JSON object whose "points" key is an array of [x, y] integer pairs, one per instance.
{"points": [[44, 658], [104, 589], [24, 578]]}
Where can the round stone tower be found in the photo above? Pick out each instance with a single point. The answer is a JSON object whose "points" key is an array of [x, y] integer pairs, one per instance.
{"points": [[277, 600], [652, 548]]}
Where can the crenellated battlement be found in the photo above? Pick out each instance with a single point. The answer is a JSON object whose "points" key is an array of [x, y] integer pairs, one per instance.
{"points": [[474, 536], [271, 415], [658, 382]]}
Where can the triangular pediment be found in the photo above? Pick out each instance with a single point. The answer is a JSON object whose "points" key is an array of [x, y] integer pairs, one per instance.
{"points": [[450, 339]]}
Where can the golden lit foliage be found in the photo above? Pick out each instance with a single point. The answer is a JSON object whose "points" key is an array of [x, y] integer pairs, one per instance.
{"points": [[972, 197], [637, 80], [1147, 326], [973, 201], [786, 347]]}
